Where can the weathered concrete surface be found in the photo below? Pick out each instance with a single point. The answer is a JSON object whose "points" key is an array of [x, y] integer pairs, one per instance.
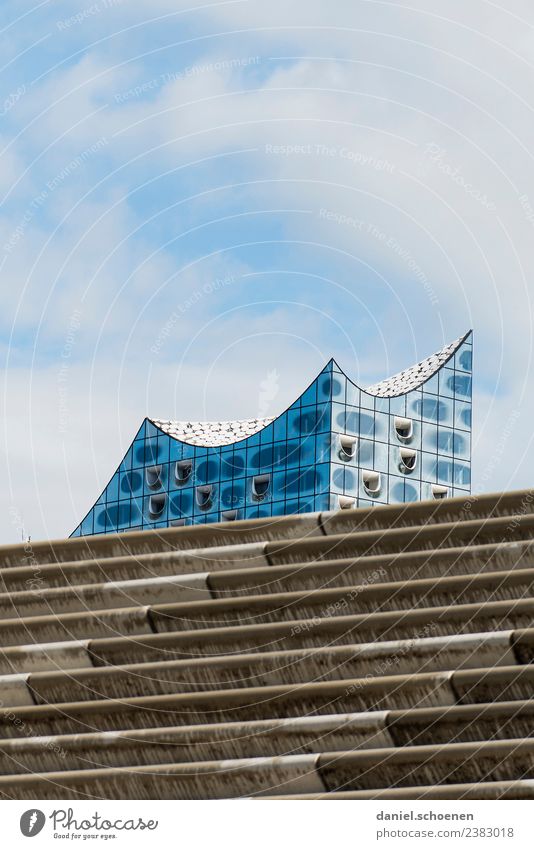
{"points": [[377, 653]]}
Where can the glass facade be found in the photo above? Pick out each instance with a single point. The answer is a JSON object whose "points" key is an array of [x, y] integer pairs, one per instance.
{"points": [[337, 446]]}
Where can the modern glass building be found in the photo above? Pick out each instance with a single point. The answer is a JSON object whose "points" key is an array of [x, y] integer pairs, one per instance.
{"points": [[338, 446]]}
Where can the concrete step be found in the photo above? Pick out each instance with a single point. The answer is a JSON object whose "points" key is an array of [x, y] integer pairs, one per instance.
{"points": [[310, 734], [267, 668], [255, 575], [454, 763], [200, 780], [139, 543], [393, 540], [344, 601], [390, 692], [188, 598], [462, 723], [519, 503], [404, 566], [273, 737], [487, 790], [107, 596], [467, 764], [229, 705], [38, 554], [412, 625], [289, 633]]}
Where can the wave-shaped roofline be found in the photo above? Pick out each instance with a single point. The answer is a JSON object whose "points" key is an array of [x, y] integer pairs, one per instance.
{"points": [[211, 434]]}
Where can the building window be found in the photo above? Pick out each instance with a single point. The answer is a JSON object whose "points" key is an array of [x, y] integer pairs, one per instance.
{"points": [[347, 447], [153, 476], [182, 470], [371, 482], [260, 486], [229, 515], [403, 428], [204, 496], [439, 491], [156, 504], [408, 460]]}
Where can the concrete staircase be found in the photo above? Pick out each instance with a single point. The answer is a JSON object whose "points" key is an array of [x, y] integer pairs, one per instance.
{"points": [[381, 653]]}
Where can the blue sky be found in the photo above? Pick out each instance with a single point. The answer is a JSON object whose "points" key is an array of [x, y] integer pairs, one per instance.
{"points": [[199, 200]]}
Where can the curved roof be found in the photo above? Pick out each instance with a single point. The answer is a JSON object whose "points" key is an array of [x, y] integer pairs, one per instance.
{"points": [[211, 434], [413, 377]]}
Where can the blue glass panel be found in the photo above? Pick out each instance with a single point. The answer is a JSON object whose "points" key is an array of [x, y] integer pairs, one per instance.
{"points": [[462, 474], [445, 471], [367, 401], [430, 437], [429, 467], [338, 478], [352, 395], [381, 457], [322, 477], [431, 385], [446, 383], [351, 481], [365, 453], [429, 408], [307, 451], [87, 524], [310, 396], [366, 424], [347, 420], [381, 427], [464, 359], [445, 441], [397, 406], [461, 384], [462, 415], [112, 491], [338, 388], [324, 387], [280, 428]]}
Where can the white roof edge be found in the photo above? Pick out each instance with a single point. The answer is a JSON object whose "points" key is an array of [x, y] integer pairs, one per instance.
{"points": [[212, 434], [416, 375]]}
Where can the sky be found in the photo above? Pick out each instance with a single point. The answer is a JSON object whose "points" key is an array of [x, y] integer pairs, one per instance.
{"points": [[202, 203]]}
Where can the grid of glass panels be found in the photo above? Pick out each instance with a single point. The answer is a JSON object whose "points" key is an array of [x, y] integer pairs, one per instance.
{"points": [[433, 460], [335, 440]]}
